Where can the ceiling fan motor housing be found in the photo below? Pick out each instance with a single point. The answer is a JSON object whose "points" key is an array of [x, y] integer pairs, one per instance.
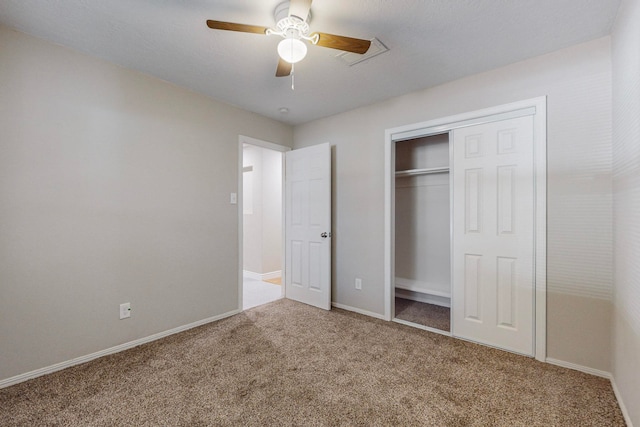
{"points": [[291, 26], [282, 11]]}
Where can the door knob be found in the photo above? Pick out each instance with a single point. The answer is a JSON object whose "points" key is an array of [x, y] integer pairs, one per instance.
{"points": [[324, 235]]}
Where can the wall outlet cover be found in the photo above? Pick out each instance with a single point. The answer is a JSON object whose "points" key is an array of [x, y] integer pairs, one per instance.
{"points": [[125, 310]]}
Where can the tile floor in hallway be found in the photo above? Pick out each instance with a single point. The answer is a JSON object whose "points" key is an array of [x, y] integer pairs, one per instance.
{"points": [[256, 292]]}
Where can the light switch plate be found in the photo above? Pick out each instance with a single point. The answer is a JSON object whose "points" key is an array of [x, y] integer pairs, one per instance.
{"points": [[234, 198]]}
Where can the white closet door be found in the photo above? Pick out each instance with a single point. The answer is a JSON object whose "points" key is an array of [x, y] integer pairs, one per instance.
{"points": [[493, 234]]}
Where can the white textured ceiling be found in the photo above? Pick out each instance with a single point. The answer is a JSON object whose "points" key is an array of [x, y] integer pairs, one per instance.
{"points": [[430, 42]]}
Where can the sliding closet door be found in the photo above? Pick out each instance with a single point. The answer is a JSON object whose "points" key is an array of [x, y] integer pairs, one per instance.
{"points": [[493, 234]]}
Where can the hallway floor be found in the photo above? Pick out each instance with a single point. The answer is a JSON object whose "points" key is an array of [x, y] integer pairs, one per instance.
{"points": [[256, 292]]}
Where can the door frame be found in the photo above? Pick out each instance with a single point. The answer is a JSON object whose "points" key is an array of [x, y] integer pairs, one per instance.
{"points": [[242, 139], [536, 107]]}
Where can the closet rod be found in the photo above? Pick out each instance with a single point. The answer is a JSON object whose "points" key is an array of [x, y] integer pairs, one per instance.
{"points": [[414, 172]]}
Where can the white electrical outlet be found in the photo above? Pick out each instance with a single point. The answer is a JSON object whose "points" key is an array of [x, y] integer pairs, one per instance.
{"points": [[125, 310], [358, 283]]}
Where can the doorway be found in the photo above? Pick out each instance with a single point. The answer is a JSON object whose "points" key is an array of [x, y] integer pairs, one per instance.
{"points": [[422, 232], [305, 223], [261, 207]]}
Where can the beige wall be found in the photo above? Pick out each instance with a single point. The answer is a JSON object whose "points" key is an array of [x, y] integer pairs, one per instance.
{"points": [[252, 209], [114, 187], [271, 211], [626, 186], [262, 224], [577, 82]]}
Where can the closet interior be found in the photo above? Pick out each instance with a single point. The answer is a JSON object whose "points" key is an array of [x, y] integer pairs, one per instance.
{"points": [[423, 232]]}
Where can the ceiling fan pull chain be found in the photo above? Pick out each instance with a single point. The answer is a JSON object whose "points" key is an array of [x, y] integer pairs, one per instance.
{"points": [[293, 79]]}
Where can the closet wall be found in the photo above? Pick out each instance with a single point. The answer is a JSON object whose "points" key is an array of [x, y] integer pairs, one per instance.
{"points": [[422, 220]]}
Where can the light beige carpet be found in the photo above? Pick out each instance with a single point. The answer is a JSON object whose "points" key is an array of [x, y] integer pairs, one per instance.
{"points": [[288, 364]]}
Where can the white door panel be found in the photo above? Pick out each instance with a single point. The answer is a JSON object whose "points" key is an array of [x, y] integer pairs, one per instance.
{"points": [[307, 220], [493, 234]]}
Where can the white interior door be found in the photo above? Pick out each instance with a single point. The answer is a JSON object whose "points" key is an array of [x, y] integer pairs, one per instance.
{"points": [[493, 234], [308, 225]]}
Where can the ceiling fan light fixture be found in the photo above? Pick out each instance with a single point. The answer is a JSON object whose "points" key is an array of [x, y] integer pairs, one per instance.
{"points": [[292, 50]]}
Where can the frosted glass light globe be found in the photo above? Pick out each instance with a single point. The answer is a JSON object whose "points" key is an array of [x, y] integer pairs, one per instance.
{"points": [[292, 50]]}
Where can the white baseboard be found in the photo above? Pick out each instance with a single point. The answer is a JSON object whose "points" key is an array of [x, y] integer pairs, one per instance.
{"points": [[271, 275], [358, 310], [437, 289], [83, 359], [575, 367], [598, 373], [251, 275], [623, 408], [423, 297], [262, 276]]}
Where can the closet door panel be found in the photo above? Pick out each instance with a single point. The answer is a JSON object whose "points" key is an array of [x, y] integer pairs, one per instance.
{"points": [[493, 239]]}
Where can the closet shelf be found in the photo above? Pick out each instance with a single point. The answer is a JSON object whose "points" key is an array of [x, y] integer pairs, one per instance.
{"points": [[414, 172]]}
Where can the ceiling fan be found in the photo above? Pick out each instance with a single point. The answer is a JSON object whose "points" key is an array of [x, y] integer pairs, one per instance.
{"points": [[292, 24]]}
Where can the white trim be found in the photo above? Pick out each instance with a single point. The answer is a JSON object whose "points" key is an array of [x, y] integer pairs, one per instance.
{"points": [[251, 275], [240, 213], [576, 367], [422, 171], [424, 328], [451, 168], [358, 310], [389, 222], [262, 276], [473, 118], [537, 108], [422, 297], [263, 144], [623, 408], [421, 287], [271, 275], [540, 261], [242, 139], [597, 373], [83, 359]]}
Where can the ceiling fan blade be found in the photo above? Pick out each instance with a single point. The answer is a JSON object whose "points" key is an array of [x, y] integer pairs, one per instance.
{"points": [[230, 26], [284, 68], [300, 8], [348, 44]]}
